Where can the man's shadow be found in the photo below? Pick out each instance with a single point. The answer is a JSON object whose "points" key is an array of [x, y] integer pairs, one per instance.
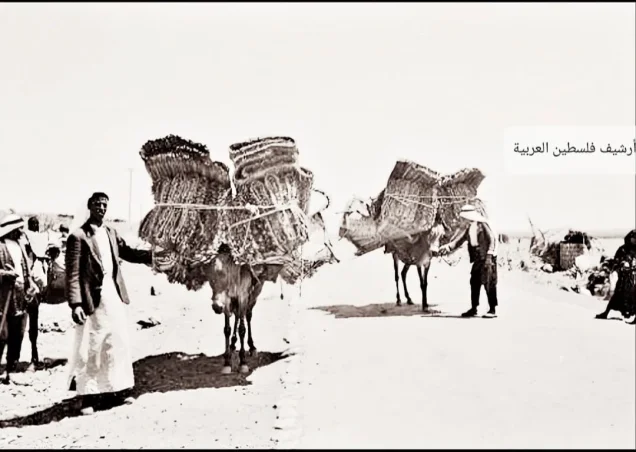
{"points": [[160, 373]]}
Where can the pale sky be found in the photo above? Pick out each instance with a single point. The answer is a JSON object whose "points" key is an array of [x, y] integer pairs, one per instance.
{"points": [[358, 86]]}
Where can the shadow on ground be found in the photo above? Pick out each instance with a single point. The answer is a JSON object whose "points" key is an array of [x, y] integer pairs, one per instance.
{"points": [[345, 311], [45, 364], [160, 373]]}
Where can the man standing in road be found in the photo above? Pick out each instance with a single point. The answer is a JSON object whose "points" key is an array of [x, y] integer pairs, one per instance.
{"points": [[482, 251], [101, 362], [17, 289]]}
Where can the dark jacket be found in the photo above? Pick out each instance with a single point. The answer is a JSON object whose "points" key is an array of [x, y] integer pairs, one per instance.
{"points": [[624, 263], [84, 271], [16, 304], [486, 241]]}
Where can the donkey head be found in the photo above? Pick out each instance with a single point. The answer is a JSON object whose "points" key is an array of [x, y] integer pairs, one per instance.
{"points": [[229, 282]]}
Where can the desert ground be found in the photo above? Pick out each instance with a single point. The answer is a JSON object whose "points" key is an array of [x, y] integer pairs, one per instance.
{"points": [[340, 365]]}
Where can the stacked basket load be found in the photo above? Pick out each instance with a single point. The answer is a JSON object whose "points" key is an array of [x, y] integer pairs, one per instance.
{"points": [[269, 179], [415, 198], [186, 185], [263, 223], [410, 200]]}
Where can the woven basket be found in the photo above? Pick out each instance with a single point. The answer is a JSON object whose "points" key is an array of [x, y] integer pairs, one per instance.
{"points": [[181, 269], [409, 201], [255, 157], [276, 233], [362, 232], [568, 252], [183, 174], [305, 185], [300, 269], [455, 191]]}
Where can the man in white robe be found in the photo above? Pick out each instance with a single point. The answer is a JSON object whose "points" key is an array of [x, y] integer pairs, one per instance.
{"points": [[101, 361]]}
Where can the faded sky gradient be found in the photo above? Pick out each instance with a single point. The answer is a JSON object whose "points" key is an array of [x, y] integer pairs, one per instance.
{"points": [[83, 86]]}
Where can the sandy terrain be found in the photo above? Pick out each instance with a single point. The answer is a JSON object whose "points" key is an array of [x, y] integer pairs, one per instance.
{"points": [[360, 372]]}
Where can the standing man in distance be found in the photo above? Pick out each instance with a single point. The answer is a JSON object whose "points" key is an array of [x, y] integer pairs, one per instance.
{"points": [[482, 251], [101, 361], [17, 289]]}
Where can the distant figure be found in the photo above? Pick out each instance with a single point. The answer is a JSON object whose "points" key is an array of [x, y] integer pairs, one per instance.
{"points": [[624, 297], [101, 363], [17, 289], [482, 251], [63, 236], [56, 275], [33, 224]]}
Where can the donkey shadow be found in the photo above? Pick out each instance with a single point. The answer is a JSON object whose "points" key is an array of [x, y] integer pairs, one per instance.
{"points": [[387, 310], [159, 374]]}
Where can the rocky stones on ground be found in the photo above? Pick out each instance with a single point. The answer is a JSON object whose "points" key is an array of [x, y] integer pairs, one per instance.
{"points": [[148, 322], [547, 268]]}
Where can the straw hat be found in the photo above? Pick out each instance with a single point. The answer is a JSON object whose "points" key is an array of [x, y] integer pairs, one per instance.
{"points": [[470, 213], [10, 223]]}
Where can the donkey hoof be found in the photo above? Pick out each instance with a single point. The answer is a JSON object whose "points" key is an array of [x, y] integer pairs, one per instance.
{"points": [[244, 369], [253, 352], [398, 303], [409, 302], [226, 370]]}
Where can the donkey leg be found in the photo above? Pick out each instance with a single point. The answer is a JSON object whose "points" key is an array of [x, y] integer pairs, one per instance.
{"points": [[227, 357], [244, 369], [423, 274], [233, 344], [250, 339], [405, 270], [34, 323], [397, 280]]}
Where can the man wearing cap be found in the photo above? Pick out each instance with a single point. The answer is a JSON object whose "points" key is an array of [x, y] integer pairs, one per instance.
{"points": [[101, 365], [482, 251], [17, 289]]}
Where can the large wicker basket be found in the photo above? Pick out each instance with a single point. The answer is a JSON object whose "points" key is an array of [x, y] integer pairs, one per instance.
{"points": [[253, 158], [409, 203], [279, 225], [456, 190], [188, 188], [568, 252], [300, 268], [361, 229]]}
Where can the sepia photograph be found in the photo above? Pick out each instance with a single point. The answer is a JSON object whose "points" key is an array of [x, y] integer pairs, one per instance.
{"points": [[278, 225]]}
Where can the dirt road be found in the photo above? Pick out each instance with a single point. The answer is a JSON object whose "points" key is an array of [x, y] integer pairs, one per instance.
{"points": [[543, 374]]}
